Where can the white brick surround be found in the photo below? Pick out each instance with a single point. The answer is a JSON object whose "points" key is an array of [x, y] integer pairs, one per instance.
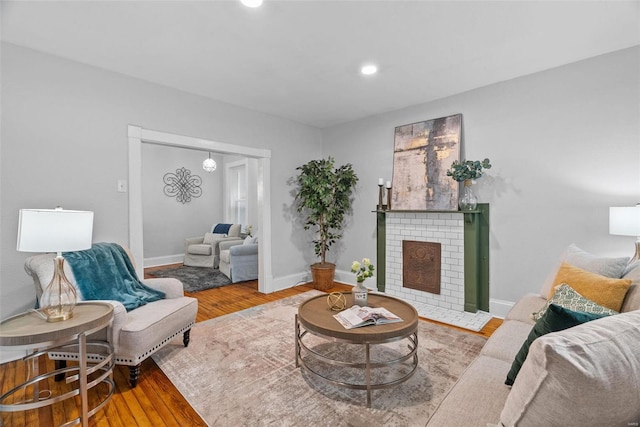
{"points": [[446, 228]]}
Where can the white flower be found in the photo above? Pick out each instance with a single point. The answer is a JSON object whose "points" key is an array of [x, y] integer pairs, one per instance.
{"points": [[363, 270]]}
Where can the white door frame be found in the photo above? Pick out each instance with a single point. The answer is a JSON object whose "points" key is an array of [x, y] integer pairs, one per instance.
{"points": [[137, 136]]}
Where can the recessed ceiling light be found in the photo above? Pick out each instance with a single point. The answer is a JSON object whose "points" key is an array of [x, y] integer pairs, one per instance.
{"points": [[252, 3], [367, 70]]}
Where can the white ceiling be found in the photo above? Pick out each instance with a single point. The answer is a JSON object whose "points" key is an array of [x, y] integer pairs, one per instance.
{"points": [[300, 59]]}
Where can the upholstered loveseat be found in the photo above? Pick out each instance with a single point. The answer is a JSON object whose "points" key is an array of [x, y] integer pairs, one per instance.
{"points": [[136, 334], [204, 251], [586, 375]]}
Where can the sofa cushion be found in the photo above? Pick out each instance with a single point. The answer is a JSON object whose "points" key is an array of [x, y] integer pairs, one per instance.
{"points": [[602, 290], [477, 397], [555, 319], [523, 308], [608, 267], [505, 342], [199, 249], [565, 296], [594, 367]]}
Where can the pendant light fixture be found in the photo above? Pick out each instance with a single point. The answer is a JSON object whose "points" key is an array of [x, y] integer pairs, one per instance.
{"points": [[209, 164]]}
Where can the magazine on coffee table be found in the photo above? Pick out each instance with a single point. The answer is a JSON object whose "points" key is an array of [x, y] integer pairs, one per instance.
{"points": [[357, 316]]}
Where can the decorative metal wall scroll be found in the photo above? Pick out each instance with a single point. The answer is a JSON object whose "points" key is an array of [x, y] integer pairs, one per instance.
{"points": [[182, 185]]}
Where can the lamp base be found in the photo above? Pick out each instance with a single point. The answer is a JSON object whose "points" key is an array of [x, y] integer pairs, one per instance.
{"points": [[59, 317], [636, 256], [59, 297]]}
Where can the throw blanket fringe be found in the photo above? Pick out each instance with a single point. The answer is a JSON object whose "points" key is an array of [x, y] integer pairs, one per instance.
{"points": [[105, 272]]}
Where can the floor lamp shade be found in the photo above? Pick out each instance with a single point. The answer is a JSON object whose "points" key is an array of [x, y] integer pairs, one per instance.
{"points": [[55, 230], [625, 221]]}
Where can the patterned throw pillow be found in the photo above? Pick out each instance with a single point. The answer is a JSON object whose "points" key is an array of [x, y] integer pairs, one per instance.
{"points": [[565, 296]]}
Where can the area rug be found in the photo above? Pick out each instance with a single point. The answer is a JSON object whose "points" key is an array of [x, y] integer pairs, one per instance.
{"points": [[195, 279], [239, 370]]}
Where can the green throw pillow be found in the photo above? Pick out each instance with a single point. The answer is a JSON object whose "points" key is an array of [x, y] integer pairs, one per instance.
{"points": [[567, 297], [555, 318]]}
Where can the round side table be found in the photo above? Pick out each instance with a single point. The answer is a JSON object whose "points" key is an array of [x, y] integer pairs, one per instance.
{"points": [[28, 331]]}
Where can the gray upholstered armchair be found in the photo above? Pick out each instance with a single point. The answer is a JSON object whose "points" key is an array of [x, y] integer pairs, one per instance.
{"points": [[239, 260], [204, 251], [136, 334]]}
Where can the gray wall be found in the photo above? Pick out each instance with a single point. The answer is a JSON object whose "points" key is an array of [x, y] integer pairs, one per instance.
{"points": [[168, 222], [565, 145], [64, 142], [564, 142]]}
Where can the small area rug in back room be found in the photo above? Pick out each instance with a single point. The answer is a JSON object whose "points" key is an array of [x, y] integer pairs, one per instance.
{"points": [[195, 279]]}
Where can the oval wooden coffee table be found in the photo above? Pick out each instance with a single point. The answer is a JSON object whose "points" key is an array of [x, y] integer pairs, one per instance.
{"points": [[315, 317]]}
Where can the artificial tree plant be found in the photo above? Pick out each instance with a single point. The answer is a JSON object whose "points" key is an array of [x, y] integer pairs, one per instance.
{"points": [[324, 196]]}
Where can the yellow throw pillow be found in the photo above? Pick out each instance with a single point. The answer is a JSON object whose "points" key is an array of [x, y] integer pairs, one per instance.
{"points": [[602, 290]]}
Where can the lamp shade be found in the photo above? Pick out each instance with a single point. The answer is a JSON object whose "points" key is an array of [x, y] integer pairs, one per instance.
{"points": [[624, 221], [54, 230]]}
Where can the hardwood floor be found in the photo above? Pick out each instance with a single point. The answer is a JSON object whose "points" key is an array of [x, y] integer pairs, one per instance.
{"points": [[155, 401]]}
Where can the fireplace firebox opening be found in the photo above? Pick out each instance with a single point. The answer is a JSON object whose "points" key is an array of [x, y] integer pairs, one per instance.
{"points": [[421, 266]]}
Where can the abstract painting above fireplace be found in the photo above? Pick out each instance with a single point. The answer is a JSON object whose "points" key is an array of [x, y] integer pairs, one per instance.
{"points": [[422, 153]]}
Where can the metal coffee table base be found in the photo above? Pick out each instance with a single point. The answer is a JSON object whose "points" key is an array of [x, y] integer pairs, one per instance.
{"points": [[367, 365]]}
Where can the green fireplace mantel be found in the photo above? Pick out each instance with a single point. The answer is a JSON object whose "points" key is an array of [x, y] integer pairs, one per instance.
{"points": [[476, 255]]}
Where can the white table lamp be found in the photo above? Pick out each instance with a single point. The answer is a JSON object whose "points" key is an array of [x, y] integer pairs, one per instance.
{"points": [[625, 221], [55, 230]]}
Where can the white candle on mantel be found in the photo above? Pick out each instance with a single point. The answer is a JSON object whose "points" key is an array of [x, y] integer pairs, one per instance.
{"points": [[388, 184], [380, 181]]}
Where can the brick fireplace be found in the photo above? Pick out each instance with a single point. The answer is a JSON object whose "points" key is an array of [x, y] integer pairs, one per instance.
{"points": [[450, 231]]}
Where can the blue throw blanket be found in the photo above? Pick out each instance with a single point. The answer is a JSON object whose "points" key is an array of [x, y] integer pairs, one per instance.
{"points": [[105, 272]]}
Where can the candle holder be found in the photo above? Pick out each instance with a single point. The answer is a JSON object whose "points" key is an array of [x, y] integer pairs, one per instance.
{"points": [[389, 198], [381, 207]]}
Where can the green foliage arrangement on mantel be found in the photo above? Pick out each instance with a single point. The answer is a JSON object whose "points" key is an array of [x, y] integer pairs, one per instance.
{"points": [[324, 197], [468, 169]]}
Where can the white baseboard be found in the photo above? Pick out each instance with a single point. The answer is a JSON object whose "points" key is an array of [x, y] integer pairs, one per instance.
{"points": [[341, 276], [499, 308], [286, 282], [163, 260]]}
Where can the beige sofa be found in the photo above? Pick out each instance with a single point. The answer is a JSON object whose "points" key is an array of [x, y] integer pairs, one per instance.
{"points": [[588, 375]]}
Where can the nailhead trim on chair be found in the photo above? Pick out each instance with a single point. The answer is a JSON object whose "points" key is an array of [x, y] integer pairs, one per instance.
{"points": [[121, 361]]}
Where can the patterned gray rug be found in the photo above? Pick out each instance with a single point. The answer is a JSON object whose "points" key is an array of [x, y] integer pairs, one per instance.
{"points": [[239, 370], [195, 279]]}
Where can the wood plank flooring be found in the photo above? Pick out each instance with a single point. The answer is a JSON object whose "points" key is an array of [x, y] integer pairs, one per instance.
{"points": [[155, 401]]}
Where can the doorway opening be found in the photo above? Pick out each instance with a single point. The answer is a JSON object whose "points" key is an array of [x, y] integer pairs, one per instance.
{"points": [[138, 136]]}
